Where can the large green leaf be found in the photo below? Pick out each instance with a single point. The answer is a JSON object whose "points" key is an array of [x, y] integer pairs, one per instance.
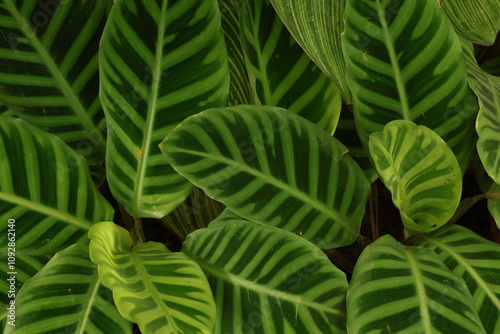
{"points": [[487, 88], [160, 61], [49, 68], [494, 203], [317, 26], [404, 62], [421, 172], [284, 75], [66, 296], [46, 188], [478, 21], [161, 291], [271, 166], [400, 289], [266, 280], [240, 90], [477, 260], [5, 111]]}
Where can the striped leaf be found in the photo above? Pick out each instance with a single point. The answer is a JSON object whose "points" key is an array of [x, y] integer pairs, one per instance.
{"points": [[66, 296], [494, 203], [5, 111], [405, 62], [487, 88], [421, 172], [160, 61], [284, 75], [46, 188], [400, 289], [266, 280], [492, 66], [478, 21], [271, 166], [477, 260], [317, 26], [24, 268], [161, 291], [240, 90], [49, 68]]}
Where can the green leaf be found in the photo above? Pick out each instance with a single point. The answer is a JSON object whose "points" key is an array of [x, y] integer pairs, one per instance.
{"points": [[24, 268], [487, 88], [46, 188], [421, 172], [161, 291], [492, 66], [404, 62], [271, 166], [494, 203], [284, 75], [160, 61], [66, 296], [401, 289], [240, 90], [49, 68], [317, 27], [478, 21], [5, 111], [266, 280], [477, 260]]}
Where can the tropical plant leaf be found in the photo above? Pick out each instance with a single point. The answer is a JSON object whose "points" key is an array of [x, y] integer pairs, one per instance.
{"points": [[284, 75], [477, 260], [161, 291], [404, 62], [160, 61], [197, 211], [492, 66], [271, 166], [240, 90], [487, 88], [494, 203], [66, 296], [23, 268], [224, 217], [45, 186], [266, 280], [400, 289], [477, 21], [421, 172], [5, 111], [317, 27], [49, 68]]}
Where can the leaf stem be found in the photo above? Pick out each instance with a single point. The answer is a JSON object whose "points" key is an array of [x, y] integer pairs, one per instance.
{"points": [[374, 211], [137, 232]]}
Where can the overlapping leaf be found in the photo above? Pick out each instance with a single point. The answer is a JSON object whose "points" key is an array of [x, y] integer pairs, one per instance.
{"points": [[160, 61], [49, 68], [284, 75], [398, 289], [421, 172], [45, 186], [317, 26], [477, 260], [266, 280], [478, 21], [66, 296], [487, 88], [269, 165], [5, 111], [404, 62], [161, 291], [494, 203]]}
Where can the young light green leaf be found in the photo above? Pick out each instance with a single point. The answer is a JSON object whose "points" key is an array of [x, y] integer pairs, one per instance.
{"points": [[49, 68], [161, 291], [478, 21], [160, 61], [400, 289], [421, 172], [284, 75], [66, 296], [404, 62], [46, 191], [271, 166], [477, 260], [317, 27], [487, 88], [266, 280]]}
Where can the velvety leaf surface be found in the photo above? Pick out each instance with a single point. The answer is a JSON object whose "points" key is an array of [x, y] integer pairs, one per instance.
{"points": [[271, 166]]}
